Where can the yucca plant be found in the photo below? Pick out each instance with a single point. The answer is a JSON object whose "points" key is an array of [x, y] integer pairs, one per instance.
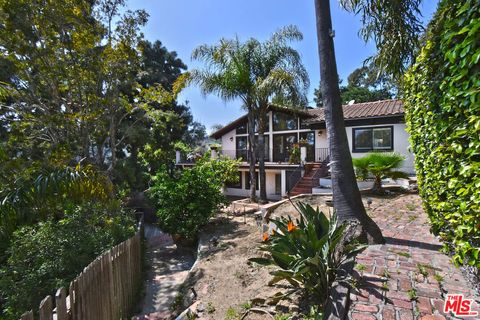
{"points": [[380, 165], [309, 252]]}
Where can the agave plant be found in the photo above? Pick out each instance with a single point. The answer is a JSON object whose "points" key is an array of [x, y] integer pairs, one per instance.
{"points": [[308, 252], [380, 165]]}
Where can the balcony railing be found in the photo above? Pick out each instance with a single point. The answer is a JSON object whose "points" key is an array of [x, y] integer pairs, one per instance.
{"points": [[322, 155]]}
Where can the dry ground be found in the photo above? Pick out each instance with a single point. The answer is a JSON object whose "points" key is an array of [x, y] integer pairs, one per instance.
{"points": [[223, 280]]}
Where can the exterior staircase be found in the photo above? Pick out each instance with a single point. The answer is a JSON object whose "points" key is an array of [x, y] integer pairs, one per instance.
{"points": [[313, 172]]}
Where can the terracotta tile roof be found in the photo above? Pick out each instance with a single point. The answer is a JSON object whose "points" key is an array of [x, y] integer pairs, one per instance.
{"points": [[375, 109], [383, 108]]}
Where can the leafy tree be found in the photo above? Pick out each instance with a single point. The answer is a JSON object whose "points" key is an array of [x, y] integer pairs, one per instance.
{"points": [[364, 85], [49, 255], [187, 199], [257, 73], [380, 165]]}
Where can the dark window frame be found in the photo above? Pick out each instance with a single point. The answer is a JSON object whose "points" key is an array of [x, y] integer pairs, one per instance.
{"points": [[363, 150], [283, 114]]}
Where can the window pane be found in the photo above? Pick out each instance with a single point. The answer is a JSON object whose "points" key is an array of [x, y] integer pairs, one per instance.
{"points": [[363, 139], [242, 129], [382, 138], [283, 121]]}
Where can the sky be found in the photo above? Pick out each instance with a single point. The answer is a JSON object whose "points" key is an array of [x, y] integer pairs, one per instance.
{"points": [[182, 25]]}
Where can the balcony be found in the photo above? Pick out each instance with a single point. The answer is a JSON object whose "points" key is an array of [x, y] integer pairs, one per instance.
{"points": [[313, 155]]}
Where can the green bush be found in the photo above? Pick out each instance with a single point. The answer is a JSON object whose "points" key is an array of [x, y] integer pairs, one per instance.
{"points": [[308, 253], [442, 107], [187, 199], [49, 255], [380, 165]]}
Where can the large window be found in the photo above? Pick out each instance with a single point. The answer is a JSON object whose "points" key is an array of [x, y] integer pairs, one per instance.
{"points": [[242, 129], [284, 121], [373, 138], [282, 146], [241, 148]]}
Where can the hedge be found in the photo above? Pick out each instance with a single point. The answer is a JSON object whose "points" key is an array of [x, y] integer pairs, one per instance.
{"points": [[442, 107]]}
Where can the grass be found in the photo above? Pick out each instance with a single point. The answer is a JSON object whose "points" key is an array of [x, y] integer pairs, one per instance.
{"points": [[231, 314], [210, 308], [387, 274], [282, 316], [246, 305], [438, 277], [411, 206], [412, 294], [403, 254], [361, 267], [422, 269], [385, 286]]}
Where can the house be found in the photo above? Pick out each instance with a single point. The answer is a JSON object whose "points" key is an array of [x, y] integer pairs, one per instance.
{"points": [[370, 126]]}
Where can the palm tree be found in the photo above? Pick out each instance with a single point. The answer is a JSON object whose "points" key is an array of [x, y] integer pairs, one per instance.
{"points": [[394, 27], [380, 165], [257, 73], [281, 78]]}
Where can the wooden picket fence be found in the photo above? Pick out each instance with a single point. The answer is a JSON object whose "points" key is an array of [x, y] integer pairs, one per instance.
{"points": [[105, 290]]}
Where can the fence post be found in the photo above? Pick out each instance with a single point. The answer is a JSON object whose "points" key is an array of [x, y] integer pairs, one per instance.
{"points": [[27, 315], [61, 304], [46, 308]]}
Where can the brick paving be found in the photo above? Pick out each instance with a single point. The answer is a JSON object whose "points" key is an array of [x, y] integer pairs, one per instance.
{"points": [[406, 278]]}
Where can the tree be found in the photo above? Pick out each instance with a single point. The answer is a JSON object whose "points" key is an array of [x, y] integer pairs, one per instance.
{"points": [[363, 85], [380, 165], [257, 73], [394, 26]]}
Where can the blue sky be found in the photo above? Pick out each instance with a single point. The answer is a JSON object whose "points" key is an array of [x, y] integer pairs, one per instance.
{"points": [[182, 25]]}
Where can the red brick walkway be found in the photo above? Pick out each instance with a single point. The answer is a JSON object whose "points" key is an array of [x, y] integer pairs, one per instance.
{"points": [[407, 278]]}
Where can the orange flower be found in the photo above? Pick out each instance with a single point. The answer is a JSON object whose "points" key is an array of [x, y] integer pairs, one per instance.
{"points": [[265, 236], [291, 227]]}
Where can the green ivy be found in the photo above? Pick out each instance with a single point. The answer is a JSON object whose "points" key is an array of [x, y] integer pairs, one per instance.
{"points": [[442, 106]]}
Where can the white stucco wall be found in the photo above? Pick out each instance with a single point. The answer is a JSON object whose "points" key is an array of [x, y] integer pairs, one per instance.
{"points": [[400, 145], [270, 183]]}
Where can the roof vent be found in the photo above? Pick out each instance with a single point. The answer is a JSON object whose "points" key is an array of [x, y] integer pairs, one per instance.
{"points": [[351, 102]]}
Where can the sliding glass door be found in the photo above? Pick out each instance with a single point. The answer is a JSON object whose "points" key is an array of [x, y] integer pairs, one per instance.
{"points": [[282, 145]]}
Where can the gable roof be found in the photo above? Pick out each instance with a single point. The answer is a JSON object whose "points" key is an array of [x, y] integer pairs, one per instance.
{"points": [[374, 109], [364, 110], [235, 123]]}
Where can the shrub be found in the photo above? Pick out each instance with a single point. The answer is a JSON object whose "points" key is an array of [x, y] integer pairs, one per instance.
{"points": [[49, 255], [442, 110], [187, 199], [380, 165], [308, 253]]}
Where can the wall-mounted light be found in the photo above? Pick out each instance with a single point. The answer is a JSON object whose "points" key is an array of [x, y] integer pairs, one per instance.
{"points": [[320, 133], [231, 139]]}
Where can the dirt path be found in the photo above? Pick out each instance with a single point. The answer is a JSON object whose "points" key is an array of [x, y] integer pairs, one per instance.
{"points": [[406, 278], [168, 269]]}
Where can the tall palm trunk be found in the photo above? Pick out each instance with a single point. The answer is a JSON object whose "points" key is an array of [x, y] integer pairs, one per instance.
{"points": [[261, 158], [251, 154], [347, 200]]}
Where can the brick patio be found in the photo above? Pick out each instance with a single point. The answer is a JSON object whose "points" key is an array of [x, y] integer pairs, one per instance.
{"points": [[406, 278]]}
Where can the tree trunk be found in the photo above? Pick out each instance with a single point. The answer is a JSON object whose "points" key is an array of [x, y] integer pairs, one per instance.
{"points": [[251, 155], [347, 200], [261, 158], [377, 185]]}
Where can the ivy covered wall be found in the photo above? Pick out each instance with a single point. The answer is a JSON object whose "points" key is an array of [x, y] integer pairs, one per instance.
{"points": [[442, 101]]}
